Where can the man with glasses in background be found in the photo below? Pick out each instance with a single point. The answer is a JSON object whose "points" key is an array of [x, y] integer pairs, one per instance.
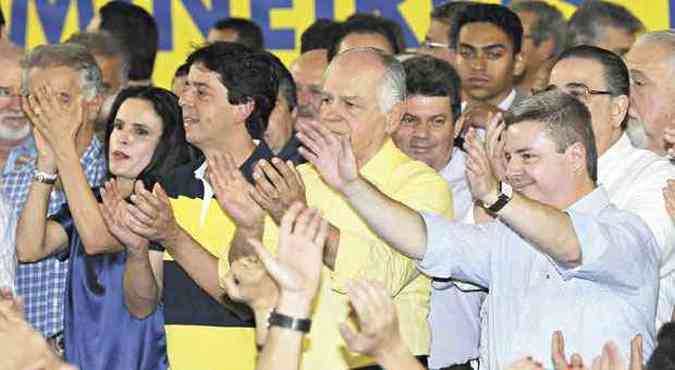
{"points": [[436, 42], [634, 178]]}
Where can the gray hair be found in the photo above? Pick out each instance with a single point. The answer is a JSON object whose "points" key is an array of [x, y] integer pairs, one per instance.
{"points": [[104, 44], [66, 55], [664, 38], [550, 24]]}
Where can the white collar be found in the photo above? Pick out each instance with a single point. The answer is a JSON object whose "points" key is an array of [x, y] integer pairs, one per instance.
{"points": [[200, 172], [504, 104]]}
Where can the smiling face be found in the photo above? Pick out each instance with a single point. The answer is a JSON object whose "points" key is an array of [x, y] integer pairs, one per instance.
{"points": [[350, 103], [534, 167], [14, 126], [486, 62], [134, 138], [426, 131]]}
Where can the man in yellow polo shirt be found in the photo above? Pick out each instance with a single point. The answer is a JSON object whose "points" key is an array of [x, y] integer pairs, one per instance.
{"points": [[363, 94]]}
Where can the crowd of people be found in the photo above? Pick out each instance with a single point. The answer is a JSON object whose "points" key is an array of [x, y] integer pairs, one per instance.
{"points": [[502, 197]]}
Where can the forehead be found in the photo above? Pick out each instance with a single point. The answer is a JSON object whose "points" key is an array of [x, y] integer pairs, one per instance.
{"points": [[438, 31], [526, 135], [422, 106], [227, 35], [364, 40], [651, 58], [200, 75], [61, 77], [579, 70], [527, 19], [11, 72], [309, 67], [355, 74], [482, 34]]}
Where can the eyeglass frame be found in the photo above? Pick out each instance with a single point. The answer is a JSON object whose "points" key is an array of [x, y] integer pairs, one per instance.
{"points": [[589, 92]]}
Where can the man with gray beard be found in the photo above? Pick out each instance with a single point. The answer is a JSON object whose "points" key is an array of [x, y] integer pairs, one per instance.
{"points": [[14, 127]]}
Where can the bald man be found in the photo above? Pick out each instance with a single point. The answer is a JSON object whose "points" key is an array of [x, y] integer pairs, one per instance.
{"points": [[307, 72]]}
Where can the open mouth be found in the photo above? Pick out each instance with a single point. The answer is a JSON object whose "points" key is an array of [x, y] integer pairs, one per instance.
{"points": [[118, 155]]}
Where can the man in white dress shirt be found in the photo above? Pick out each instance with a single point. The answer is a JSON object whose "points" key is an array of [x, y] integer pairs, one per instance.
{"points": [[558, 257], [634, 178], [426, 133]]}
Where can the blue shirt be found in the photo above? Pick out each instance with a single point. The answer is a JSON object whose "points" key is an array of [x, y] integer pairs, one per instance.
{"points": [[42, 284], [99, 332], [611, 296]]}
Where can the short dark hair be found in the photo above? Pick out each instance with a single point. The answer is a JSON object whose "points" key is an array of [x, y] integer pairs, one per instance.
{"points": [[287, 87], [590, 19], [433, 77], [320, 35], [182, 70], [447, 12], [566, 121], [248, 76], [615, 70], [550, 24], [663, 357], [248, 32], [364, 24], [497, 15], [173, 149], [137, 30]]}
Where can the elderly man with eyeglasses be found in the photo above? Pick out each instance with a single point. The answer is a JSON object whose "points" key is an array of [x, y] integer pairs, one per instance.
{"points": [[634, 178]]}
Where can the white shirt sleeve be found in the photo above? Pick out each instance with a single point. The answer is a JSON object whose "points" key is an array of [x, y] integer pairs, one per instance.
{"points": [[7, 245]]}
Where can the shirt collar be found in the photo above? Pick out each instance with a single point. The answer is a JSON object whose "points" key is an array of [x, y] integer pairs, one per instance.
{"points": [[592, 203], [504, 104], [616, 152], [382, 165], [454, 170]]}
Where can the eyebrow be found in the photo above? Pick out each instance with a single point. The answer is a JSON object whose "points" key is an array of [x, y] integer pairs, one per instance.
{"points": [[523, 150], [197, 84], [486, 47]]}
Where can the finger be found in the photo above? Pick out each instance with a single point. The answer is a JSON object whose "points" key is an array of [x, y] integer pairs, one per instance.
{"points": [[302, 223], [296, 174], [558, 351], [313, 225], [161, 196], [142, 217], [459, 126], [310, 156], [144, 206], [271, 264], [277, 176], [289, 218], [359, 299], [614, 358], [149, 197], [263, 184], [309, 142], [321, 236], [138, 228], [577, 362], [351, 338], [636, 360]]}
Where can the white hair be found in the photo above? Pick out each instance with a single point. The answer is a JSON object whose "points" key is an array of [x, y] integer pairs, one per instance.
{"points": [[663, 38]]}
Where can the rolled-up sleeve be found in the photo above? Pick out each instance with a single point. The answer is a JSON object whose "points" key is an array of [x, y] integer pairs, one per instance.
{"points": [[458, 250], [620, 251]]}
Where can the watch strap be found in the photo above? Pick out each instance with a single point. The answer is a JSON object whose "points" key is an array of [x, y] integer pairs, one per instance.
{"points": [[45, 178], [502, 200], [288, 322]]}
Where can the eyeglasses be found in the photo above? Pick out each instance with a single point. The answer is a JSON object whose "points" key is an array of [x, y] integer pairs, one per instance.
{"points": [[577, 90], [434, 45]]}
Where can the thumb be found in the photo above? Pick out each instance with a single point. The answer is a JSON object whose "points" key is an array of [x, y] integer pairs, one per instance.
{"points": [[349, 336], [270, 262]]}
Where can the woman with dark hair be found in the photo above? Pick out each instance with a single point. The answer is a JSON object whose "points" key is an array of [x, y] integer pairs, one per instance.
{"points": [[144, 140]]}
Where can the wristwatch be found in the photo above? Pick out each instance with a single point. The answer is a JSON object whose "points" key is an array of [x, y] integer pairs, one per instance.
{"points": [[281, 320], [45, 178], [505, 193]]}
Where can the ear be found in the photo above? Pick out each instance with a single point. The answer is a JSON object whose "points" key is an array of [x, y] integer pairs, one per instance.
{"points": [[619, 109], [394, 117], [244, 110], [576, 157], [518, 64]]}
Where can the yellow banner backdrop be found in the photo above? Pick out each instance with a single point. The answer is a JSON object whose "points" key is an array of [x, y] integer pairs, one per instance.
{"points": [[183, 23]]}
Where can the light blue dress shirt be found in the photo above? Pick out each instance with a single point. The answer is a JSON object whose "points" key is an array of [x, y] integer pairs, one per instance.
{"points": [[611, 296], [7, 245]]}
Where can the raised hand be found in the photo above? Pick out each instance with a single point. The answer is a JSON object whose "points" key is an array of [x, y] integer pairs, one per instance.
{"points": [[279, 185], [115, 213], [150, 215], [559, 357], [377, 318], [494, 145], [296, 269], [609, 359], [479, 174], [57, 118], [331, 154], [476, 115], [236, 196]]}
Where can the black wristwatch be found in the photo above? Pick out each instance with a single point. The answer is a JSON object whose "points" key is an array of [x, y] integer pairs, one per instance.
{"points": [[505, 193], [281, 320]]}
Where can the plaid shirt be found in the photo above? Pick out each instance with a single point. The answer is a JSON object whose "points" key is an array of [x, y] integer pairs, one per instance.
{"points": [[42, 284]]}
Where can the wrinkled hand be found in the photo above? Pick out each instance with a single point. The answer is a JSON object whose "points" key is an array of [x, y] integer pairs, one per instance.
{"points": [[476, 115], [236, 196], [46, 161], [331, 154], [669, 198], [150, 215], [22, 347], [479, 175], [279, 185], [377, 320], [115, 214], [296, 269], [57, 120]]}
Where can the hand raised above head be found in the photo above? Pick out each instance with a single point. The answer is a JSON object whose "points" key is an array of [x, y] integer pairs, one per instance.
{"points": [[236, 196], [279, 186], [331, 154]]}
